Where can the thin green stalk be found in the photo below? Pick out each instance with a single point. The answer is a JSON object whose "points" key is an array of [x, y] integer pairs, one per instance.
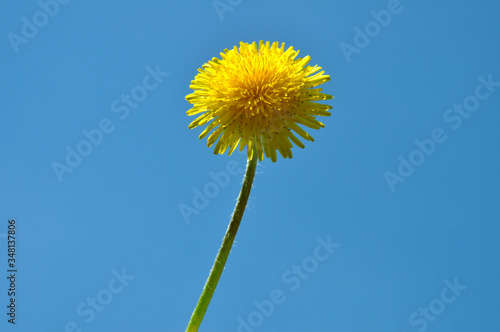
{"points": [[227, 243]]}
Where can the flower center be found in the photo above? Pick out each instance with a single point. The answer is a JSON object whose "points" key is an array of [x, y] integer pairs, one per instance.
{"points": [[263, 93]]}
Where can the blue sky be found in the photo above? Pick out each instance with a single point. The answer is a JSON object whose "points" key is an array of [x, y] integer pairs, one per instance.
{"points": [[387, 222]]}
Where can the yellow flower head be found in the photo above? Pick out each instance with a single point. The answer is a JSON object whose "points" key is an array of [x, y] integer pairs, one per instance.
{"points": [[256, 97]]}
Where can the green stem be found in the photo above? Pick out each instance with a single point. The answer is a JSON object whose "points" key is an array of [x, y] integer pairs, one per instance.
{"points": [[227, 243]]}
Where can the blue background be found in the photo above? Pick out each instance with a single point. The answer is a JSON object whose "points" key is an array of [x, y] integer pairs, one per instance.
{"points": [[120, 207]]}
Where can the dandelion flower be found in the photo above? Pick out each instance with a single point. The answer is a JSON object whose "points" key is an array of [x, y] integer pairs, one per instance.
{"points": [[256, 97]]}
